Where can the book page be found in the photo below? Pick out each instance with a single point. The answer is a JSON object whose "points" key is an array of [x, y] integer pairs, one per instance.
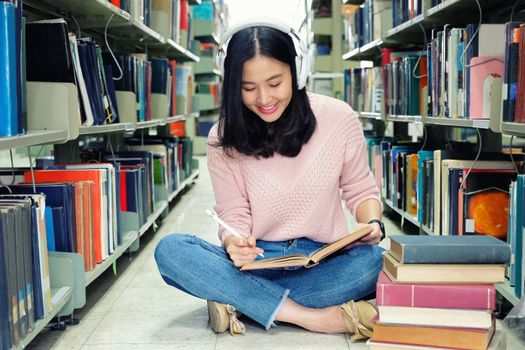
{"points": [[281, 261], [328, 249]]}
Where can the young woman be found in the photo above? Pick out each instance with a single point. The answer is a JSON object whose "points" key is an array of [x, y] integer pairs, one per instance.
{"points": [[281, 160]]}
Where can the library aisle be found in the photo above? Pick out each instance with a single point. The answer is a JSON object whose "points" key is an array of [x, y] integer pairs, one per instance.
{"points": [[136, 310]]}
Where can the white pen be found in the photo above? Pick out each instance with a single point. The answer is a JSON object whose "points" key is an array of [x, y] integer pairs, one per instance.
{"points": [[228, 228]]}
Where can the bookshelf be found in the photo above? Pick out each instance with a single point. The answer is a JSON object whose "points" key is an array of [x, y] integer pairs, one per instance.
{"points": [[32, 138], [404, 215], [45, 127], [127, 241], [208, 22], [413, 35], [60, 297]]}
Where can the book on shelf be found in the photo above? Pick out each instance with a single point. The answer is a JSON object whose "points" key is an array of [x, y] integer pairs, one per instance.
{"points": [[471, 249], [310, 260], [448, 296], [442, 273], [445, 337], [447, 209]]}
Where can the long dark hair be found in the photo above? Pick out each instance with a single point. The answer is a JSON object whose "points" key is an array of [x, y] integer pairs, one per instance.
{"points": [[241, 129]]}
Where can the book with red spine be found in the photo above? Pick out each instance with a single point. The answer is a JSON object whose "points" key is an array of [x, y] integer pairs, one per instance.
{"points": [[450, 296]]}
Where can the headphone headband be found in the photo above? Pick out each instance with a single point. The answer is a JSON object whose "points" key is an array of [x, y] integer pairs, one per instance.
{"points": [[302, 56]]}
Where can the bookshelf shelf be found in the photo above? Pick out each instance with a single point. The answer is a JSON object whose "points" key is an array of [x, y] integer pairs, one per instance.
{"points": [[507, 291], [403, 213], [34, 137], [128, 240], [177, 118], [59, 297], [427, 230], [351, 55], [182, 51], [368, 51], [409, 30], [160, 207], [516, 129], [404, 118], [184, 184], [371, 115], [149, 124], [463, 123], [103, 129], [91, 13]]}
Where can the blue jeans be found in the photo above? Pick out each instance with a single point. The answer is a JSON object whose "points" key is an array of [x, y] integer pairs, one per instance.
{"points": [[204, 270]]}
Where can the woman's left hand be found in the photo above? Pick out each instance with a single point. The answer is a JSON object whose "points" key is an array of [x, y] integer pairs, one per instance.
{"points": [[373, 237]]}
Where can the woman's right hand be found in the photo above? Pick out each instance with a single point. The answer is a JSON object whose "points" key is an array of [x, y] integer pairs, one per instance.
{"points": [[241, 250]]}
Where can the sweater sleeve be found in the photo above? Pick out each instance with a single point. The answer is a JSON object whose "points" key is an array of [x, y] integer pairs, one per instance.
{"points": [[232, 204], [357, 182]]}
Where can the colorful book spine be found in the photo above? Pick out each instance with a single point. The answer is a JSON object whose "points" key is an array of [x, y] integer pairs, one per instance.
{"points": [[447, 296], [8, 71], [472, 249]]}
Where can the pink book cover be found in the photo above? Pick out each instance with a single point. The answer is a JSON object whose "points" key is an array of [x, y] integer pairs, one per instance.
{"points": [[485, 74], [444, 296]]}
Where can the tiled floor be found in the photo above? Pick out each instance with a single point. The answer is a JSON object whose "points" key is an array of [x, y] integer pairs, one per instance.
{"points": [[136, 310]]}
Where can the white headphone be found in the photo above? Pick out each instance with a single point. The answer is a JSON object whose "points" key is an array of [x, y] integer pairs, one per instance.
{"points": [[302, 58]]}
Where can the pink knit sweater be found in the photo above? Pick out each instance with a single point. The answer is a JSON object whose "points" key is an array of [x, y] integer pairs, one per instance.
{"points": [[281, 198]]}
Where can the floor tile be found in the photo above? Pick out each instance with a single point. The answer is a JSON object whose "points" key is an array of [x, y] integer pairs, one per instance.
{"points": [[153, 346], [185, 325]]}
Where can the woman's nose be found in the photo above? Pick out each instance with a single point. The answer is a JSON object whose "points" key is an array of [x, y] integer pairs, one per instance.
{"points": [[264, 98]]}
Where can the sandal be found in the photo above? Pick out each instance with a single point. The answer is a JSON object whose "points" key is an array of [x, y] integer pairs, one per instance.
{"points": [[224, 317], [358, 318]]}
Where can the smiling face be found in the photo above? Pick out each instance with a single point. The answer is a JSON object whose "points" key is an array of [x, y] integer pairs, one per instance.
{"points": [[266, 87]]}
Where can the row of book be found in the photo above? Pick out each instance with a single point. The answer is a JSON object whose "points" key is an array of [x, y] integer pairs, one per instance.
{"points": [[438, 292], [25, 291], [158, 87], [367, 22], [432, 186], [454, 79], [170, 18], [363, 89], [76, 208]]}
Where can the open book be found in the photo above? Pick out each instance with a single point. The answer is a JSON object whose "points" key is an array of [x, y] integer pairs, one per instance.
{"points": [[307, 260]]}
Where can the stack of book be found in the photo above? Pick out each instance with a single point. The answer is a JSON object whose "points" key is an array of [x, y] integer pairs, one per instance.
{"points": [[438, 291]]}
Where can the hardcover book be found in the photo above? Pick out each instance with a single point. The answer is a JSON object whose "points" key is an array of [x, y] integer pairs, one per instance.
{"points": [[448, 296], [442, 273], [472, 249], [307, 260], [455, 338]]}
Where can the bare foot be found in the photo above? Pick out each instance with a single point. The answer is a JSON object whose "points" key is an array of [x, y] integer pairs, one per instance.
{"points": [[327, 320]]}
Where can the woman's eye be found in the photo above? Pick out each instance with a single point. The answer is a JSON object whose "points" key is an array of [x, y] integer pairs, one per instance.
{"points": [[275, 85], [248, 89]]}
